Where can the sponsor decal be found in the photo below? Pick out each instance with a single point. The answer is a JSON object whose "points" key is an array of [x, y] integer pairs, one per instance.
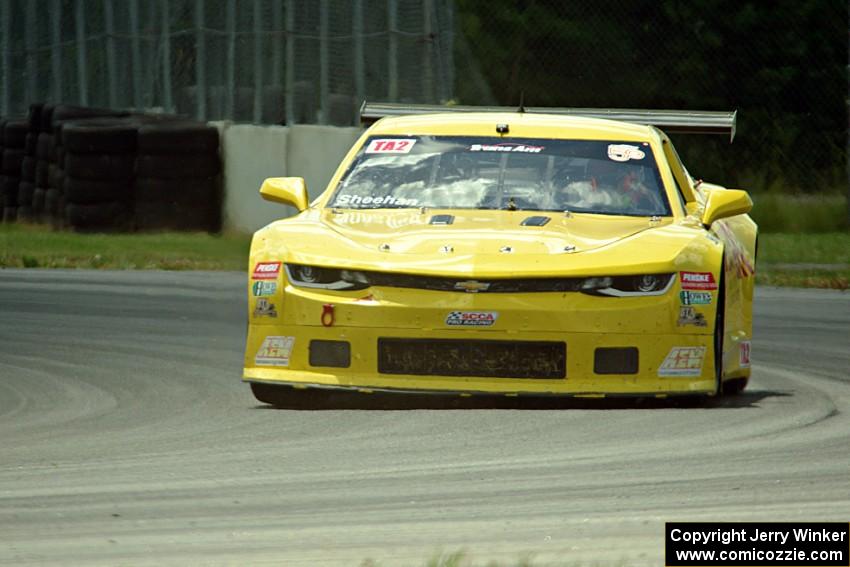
{"points": [[737, 259], [264, 288], [689, 316], [683, 361], [695, 297], [274, 351], [744, 358], [392, 146], [697, 280], [471, 318], [624, 152], [264, 308], [506, 147], [383, 200], [266, 271]]}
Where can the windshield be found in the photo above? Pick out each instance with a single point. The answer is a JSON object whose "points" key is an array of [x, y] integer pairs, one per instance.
{"points": [[453, 172]]}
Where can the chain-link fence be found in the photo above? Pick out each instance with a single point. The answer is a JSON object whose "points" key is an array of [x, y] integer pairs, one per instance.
{"points": [[263, 61], [783, 65]]}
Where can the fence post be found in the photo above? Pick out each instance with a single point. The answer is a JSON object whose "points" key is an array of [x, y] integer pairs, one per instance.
{"points": [[200, 62], [6, 53], [323, 62], [166, 57], [82, 70], [359, 67], [258, 63], [111, 68], [277, 26], [290, 62], [392, 54], [29, 30], [135, 53], [230, 65], [56, 49], [427, 46]]}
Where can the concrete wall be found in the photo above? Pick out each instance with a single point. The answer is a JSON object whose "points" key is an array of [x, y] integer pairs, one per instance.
{"points": [[252, 153]]}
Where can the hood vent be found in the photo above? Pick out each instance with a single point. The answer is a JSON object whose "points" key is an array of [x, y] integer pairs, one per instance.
{"points": [[441, 219], [535, 221]]}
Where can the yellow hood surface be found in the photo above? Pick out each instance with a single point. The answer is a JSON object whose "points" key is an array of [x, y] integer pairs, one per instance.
{"points": [[479, 243]]}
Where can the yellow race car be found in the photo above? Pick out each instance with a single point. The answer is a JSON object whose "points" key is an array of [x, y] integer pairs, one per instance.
{"points": [[468, 250]]}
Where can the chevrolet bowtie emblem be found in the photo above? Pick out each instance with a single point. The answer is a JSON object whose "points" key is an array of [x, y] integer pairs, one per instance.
{"points": [[472, 286]]}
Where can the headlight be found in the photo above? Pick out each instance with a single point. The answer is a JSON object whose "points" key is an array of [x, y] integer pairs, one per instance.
{"points": [[626, 286], [326, 278]]}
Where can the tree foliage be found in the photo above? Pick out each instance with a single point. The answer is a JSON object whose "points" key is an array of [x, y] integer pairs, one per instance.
{"points": [[782, 64]]}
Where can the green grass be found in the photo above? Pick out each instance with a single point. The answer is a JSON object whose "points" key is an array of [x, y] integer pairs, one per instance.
{"points": [[804, 260], [24, 246], [819, 260], [800, 213]]}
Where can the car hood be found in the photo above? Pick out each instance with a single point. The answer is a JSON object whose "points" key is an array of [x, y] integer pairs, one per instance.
{"points": [[476, 243]]}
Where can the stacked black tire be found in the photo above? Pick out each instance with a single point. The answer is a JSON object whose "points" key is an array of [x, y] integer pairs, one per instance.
{"points": [[93, 142], [98, 172], [178, 184], [14, 150]]}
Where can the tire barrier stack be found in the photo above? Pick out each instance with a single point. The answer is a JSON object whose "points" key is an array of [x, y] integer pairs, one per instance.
{"points": [[73, 116], [14, 151], [177, 177], [98, 171]]}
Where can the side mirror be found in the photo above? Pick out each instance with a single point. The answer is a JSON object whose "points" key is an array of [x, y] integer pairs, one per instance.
{"points": [[286, 190], [724, 203]]}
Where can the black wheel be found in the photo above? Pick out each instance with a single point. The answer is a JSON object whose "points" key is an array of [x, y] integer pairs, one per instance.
{"points": [[198, 216], [101, 135], [34, 116], [15, 134], [28, 167], [89, 191], [13, 158], [177, 190], [25, 191], [178, 138], [114, 216], [287, 397], [42, 146], [42, 173], [38, 197], [100, 166], [178, 166]]}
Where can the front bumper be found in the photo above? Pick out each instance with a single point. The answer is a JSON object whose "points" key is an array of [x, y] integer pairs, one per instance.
{"points": [[655, 373]]}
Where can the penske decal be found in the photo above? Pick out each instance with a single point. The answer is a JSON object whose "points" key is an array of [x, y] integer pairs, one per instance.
{"points": [[697, 281]]}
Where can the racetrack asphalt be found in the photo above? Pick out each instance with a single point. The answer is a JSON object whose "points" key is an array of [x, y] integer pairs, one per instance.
{"points": [[127, 438]]}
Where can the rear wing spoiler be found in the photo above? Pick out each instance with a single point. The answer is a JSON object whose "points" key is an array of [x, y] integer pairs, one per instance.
{"points": [[671, 121]]}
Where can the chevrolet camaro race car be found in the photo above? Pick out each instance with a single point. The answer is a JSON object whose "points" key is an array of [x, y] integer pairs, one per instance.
{"points": [[514, 252]]}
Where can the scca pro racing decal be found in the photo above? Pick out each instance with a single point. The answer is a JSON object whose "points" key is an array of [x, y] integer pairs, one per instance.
{"points": [[698, 280], [392, 146], [274, 351], [266, 271], [683, 361], [471, 318]]}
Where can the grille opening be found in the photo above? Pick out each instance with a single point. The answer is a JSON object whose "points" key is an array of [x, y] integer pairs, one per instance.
{"points": [[335, 354], [615, 360], [481, 358]]}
